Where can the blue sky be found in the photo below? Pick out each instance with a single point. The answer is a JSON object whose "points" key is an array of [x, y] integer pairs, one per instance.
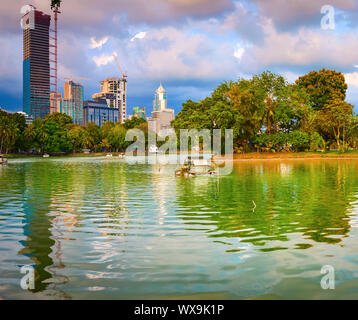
{"points": [[189, 45]]}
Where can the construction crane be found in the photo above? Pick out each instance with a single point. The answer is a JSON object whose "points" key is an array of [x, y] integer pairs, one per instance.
{"points": [[124, 75], [55, 7], [71, 78]]}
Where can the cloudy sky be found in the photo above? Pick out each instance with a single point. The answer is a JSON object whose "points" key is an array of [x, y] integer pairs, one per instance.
{"points": [[189, 45]]}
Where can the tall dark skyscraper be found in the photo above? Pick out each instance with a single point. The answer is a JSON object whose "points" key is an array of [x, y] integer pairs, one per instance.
{"points": [[36, 64]]}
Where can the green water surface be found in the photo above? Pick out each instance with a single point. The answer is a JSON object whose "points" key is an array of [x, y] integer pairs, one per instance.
{"points": [[105, 229]]}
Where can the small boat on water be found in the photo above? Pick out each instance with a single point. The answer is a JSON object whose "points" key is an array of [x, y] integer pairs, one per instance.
{"points": [[153, 149], [196, 165], [109, 155], [46, 155], [3, 160]]}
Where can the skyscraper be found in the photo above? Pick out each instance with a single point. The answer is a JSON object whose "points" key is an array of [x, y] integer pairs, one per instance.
{"points": [[161, 115], [139, 112], [114, 91], [72, 103], [36, 63], [160, 99]]}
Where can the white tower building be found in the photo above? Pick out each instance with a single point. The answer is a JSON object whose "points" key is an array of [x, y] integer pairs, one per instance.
{"points": [[160, 99]]}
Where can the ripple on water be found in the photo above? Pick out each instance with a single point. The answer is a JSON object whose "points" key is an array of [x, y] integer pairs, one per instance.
{"points": [[93, 227]]}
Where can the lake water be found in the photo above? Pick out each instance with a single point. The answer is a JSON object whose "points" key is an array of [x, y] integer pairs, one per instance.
{"points": [[104, 229]]}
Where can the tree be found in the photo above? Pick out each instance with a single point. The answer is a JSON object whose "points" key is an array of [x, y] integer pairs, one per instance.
{"points": [[266, 102], [56, 138], [352, 132], [60, 118], [93, 137], [12, 126], [334, 117], [105, 130], [271, 89], [78, 137], [117, 138], [323, 86], [131, 123], [246, 99]]}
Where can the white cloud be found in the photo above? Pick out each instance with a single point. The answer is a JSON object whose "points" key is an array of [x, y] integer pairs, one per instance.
{"points": [[99, 43], [306, 47], [352, 78], [173, 53], [103, 59], [239, 52], [139, 35]]}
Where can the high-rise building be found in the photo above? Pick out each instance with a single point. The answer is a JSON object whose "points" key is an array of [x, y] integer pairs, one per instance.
{"points": [[161, 115], [36, 63], [114, 91], [72, 103], [160, 99], [139, 112], [99, 112]]}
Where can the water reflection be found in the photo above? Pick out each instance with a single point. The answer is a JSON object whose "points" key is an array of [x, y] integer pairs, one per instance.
{"points": [[311, 198], [97, 228]]}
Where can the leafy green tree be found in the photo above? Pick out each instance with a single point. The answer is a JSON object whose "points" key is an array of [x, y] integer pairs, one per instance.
{"points": [[78, 137], [12, 127], [131, 123], [93, 137], [271, 90], [61, 118], [117, 138], [323, 86], [352, 132], [248, 101], [56, 139], [334, 117], [316, 142], [105, 130], [299, 140]]}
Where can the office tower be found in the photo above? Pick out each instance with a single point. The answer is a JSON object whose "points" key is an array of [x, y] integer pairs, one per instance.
{"points": [[160, 99], [71, 104], [36, 64], [139, 112], [161, 115], [114, 91], [99, 112], [73, 101]]}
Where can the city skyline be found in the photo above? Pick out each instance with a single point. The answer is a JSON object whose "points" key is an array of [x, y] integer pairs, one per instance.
{"points": [[190, 47]]}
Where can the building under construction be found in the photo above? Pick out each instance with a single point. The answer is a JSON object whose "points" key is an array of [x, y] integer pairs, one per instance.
{"points": [[114, 91], [36, 63]]}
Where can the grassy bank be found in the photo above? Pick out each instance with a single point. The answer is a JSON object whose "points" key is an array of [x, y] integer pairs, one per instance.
{"points": [[245, 156], [298, 155]]}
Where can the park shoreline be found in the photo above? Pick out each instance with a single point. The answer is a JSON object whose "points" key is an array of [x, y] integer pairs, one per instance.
{"points": [[331, 155]]}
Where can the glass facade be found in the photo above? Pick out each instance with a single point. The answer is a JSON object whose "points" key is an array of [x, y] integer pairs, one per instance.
{"points": [[99, 113], [36, 64]]}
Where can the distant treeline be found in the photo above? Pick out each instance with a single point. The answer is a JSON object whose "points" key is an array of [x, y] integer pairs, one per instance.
{"points": [[57, 134], [267, 113]]}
